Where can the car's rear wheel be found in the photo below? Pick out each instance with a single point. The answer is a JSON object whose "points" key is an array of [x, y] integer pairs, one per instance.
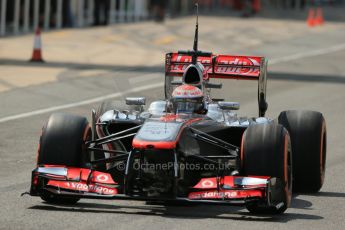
{"points": [[308, 139], [266, 151], [62, 143]]}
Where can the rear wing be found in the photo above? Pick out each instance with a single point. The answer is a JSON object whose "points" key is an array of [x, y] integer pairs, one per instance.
{"points": [[221, 67], [218, 66]]}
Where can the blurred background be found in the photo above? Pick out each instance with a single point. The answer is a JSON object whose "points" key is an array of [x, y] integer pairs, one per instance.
{"points": [[22, 16]]}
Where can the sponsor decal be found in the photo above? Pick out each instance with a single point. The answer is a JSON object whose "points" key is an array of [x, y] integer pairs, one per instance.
{"points": [[238, 61], [207, 184], [214, 195], [83, 174], [225, 194], [231, 65], [83, 187], [237, 70], [102, 178], [178, 68], [188, 59]]}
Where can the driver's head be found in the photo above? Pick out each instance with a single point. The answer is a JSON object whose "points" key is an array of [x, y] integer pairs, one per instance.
{"points": [[188, 99]]}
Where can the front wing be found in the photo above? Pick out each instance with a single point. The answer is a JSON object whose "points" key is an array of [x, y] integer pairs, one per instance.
{"points": [[86, 183]]}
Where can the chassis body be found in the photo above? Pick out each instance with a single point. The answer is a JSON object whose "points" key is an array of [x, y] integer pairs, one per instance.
{"points": [[156, 156]]}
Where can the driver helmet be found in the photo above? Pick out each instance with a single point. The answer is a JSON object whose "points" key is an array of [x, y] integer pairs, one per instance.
{"points": [[188, 99]]}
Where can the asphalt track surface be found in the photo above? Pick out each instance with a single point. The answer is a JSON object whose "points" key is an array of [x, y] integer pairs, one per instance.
{"points": [[307, 71]]}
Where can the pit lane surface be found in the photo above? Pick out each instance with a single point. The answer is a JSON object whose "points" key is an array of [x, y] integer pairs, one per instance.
{"points": [[299, 78]]}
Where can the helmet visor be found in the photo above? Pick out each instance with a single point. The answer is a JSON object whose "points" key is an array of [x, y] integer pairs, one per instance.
{"points": [[187, 105]]}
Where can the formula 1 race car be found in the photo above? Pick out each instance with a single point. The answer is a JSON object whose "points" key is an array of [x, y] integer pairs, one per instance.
{"points": [[186, 148]]}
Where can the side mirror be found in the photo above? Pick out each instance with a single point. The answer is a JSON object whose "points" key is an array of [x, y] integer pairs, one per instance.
{"points": [[135, 101], [226, 105]]}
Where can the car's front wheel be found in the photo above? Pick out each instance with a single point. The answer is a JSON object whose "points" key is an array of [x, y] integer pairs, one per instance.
{"points": [[62, 144], [266, 151]]}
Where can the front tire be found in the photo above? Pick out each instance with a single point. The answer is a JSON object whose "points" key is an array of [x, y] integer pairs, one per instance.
{"points": [[266, 152], [62, 143]]}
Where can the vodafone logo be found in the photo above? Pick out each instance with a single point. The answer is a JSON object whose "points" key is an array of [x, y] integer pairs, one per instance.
{"points": [[222, 194], [80, 186], [239, 61], [218, 195], [207, 184], [238, 65], [231, 194], [102, 178]]}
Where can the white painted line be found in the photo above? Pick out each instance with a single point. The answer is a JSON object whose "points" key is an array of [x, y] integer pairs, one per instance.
{"points": [[160, 84], [144, 78], [312, 53], [80, 103]]}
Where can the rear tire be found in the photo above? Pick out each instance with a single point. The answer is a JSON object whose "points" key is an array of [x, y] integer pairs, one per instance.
{"points": [[266, 152], [308, 139], [62, 143]]}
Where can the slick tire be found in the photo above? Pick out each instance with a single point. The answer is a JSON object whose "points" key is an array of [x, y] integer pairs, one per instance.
{"points": [[266, 151], [309, 141], [62, 143]]}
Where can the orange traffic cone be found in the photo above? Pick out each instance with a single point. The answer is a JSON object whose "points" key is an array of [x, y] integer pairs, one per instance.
{"points": [[319, 16], [311, 18], [37, 53]]}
